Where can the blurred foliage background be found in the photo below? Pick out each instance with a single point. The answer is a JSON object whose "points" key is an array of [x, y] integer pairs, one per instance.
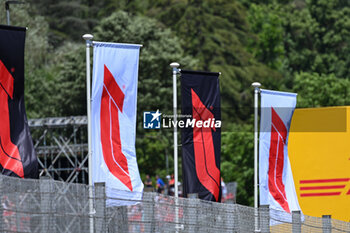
{"points": [[300, 46]]}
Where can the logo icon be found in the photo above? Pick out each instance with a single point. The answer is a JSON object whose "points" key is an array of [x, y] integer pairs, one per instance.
{"points": [[151, 120], [112, 101], [279, 134]]}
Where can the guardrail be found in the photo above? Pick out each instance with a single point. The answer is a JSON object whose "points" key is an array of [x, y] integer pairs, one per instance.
{"points": [[47, 205]]}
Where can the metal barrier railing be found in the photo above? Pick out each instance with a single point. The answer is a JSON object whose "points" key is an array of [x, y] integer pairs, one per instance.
{"points": [[47, 205]]}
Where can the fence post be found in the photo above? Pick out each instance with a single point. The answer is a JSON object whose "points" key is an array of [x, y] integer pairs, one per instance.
{"points": [[100, 207], [327, 223], [296, 221], [45, 204], [18, 212], [123, 219], [148, 212], [146, 207], [119, 221], [192, 212], [264, 218]]}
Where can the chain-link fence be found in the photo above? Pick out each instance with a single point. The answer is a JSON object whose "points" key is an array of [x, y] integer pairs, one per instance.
{"points": [[52, 206]]}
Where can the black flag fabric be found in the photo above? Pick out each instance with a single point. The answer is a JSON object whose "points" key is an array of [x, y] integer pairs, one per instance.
{"points": [[201, 136], [17, 155]]}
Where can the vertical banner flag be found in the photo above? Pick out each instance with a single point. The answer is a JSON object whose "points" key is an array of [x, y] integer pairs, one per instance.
{"points": [[275, 174], [17, 155], [114, 95], [201, 138]]}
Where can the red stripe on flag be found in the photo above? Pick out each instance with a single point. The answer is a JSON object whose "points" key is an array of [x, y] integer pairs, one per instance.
{"points": [[10, 158], [110, 130], [319, 194], [348, 193], [113, 88], [276, 160], [6, 80], [323, 187], [204, 153], [324, 180]]}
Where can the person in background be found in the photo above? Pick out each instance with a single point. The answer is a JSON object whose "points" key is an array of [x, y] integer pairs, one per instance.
{"points": [[172, 185], [148, 182], [224, 190], [160, 184], [167, 187]]}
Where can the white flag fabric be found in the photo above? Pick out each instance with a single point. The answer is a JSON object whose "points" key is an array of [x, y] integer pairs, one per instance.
{"points": [[276, 182], [113, 111]]}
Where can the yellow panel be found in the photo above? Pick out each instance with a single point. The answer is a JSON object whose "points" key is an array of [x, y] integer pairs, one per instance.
{"points": [[319, 152]]}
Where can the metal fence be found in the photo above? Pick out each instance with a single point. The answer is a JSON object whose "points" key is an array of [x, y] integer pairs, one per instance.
{"points": [[52, 206]]}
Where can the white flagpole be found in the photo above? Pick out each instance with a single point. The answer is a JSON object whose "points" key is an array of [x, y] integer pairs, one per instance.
{"points": [[256, 86], [175, 66], [88, 38]]}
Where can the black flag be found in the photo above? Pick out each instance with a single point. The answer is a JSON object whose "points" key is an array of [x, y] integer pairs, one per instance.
{"points": [[201, 136], [17, 155]]}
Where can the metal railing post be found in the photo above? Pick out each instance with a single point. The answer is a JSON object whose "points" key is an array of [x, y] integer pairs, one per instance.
{"points": [[326, 223], [46, 204], [192, 216], [100, 207], [264, 218], [148, 212], [296, 221]]}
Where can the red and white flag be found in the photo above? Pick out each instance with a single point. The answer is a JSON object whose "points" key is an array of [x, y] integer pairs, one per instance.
{"points": [[276, 182], [114, 95]]}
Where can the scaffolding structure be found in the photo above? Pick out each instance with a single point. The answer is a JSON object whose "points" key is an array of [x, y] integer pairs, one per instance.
{"points": [[61, 147]]}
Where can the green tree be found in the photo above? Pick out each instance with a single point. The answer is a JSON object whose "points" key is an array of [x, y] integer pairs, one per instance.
{"points": [[317, 37], [37, 71], [316, 90], [238, 161], [68, 20], [70, 80], [217, 32], [266, 22]]}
